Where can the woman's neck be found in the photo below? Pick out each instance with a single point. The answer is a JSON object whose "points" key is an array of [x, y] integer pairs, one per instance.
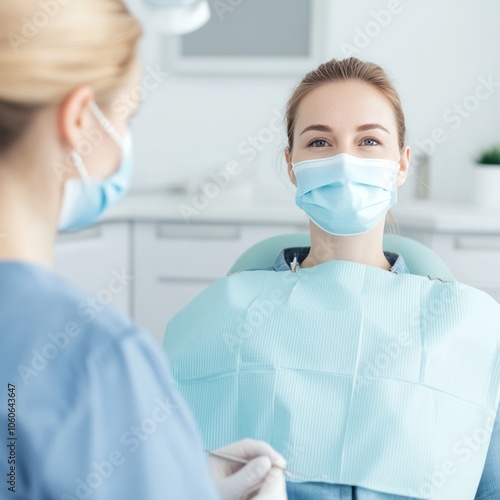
{"points": [[364, 248], [26, 220]]}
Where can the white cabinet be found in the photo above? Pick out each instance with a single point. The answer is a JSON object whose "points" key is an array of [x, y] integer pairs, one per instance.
{"points": [[97, 260], [150, 270], [175, 262], [474, 259]]}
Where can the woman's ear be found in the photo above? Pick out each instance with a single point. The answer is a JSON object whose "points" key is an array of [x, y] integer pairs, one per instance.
{"points": [[288, 158], [404, 165], [74, 116]]}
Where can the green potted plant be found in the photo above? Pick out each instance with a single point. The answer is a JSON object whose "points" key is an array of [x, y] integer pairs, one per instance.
{"points": [[488, 177]]}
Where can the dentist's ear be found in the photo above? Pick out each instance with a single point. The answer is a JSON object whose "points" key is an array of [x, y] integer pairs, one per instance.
{"points": [[74, 116], [288, 158], [404, 165]]}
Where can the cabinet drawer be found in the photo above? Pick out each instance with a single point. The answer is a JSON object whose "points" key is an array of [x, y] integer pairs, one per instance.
{"points": [[156, 301], [195, 251], [97, 261], [472, 258]]}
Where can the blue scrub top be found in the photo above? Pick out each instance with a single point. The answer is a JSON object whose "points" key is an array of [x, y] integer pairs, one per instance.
{"points": [[87, 408]]}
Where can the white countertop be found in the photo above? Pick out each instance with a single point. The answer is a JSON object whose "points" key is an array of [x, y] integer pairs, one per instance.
{"points": [[418, 214], [167, 207], [447, 218]]}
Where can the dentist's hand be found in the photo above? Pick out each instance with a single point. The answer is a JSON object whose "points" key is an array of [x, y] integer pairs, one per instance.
{"points": [[257, 480]]}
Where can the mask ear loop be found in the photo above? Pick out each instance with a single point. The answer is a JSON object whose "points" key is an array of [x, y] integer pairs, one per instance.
{"points": [[106, 124], [405, 173], [80, 167]]}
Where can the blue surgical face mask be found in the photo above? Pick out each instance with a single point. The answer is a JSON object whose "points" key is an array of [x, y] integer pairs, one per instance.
{"points": [[345, 195], [85, 200]]}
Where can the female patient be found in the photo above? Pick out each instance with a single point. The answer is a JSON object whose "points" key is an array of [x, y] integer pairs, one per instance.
{"points": [[374, 383]]}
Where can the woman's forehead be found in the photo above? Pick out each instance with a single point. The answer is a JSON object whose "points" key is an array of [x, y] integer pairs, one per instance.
{"points": [[346, 104]]}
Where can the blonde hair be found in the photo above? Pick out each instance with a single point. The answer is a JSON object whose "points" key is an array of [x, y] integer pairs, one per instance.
{"points": [[50, 47], [344, 70]]}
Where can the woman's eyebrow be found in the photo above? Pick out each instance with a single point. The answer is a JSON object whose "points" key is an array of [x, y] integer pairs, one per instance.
{"points": [[371, 126], [321, 128], [361, 128]]}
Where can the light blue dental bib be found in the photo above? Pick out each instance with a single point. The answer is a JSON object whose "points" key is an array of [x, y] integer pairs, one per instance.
{"points": [[356, 375]]}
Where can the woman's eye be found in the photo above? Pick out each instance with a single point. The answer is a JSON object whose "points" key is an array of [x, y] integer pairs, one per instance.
{"points": [[318, 143], [370, 141]]}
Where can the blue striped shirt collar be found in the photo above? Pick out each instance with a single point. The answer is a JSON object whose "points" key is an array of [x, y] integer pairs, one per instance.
{"points": [[286, 256]]}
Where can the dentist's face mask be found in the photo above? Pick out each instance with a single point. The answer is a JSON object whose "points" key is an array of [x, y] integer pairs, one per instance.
{"points": [[85, 200], [345, 195]]}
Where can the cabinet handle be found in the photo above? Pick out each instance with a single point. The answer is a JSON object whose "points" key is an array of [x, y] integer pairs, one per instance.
{"points": [[477, 242], [86, 234], [197, 232]]}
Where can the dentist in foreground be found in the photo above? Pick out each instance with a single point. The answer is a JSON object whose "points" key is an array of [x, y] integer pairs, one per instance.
{"points": [[87, 407]]}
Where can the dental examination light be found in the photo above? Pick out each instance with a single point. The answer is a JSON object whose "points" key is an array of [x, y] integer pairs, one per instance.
{"points": [[175, 17]]}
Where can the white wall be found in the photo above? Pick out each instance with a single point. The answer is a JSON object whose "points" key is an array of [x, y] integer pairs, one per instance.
{"points": [[435, 51]]}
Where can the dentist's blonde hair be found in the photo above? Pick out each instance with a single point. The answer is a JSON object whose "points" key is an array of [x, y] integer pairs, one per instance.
{"points": [[344, 70], [48, 48]]}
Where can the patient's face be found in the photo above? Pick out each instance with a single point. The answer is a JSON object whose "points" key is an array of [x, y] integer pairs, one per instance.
{"points": [[350, 117]]}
